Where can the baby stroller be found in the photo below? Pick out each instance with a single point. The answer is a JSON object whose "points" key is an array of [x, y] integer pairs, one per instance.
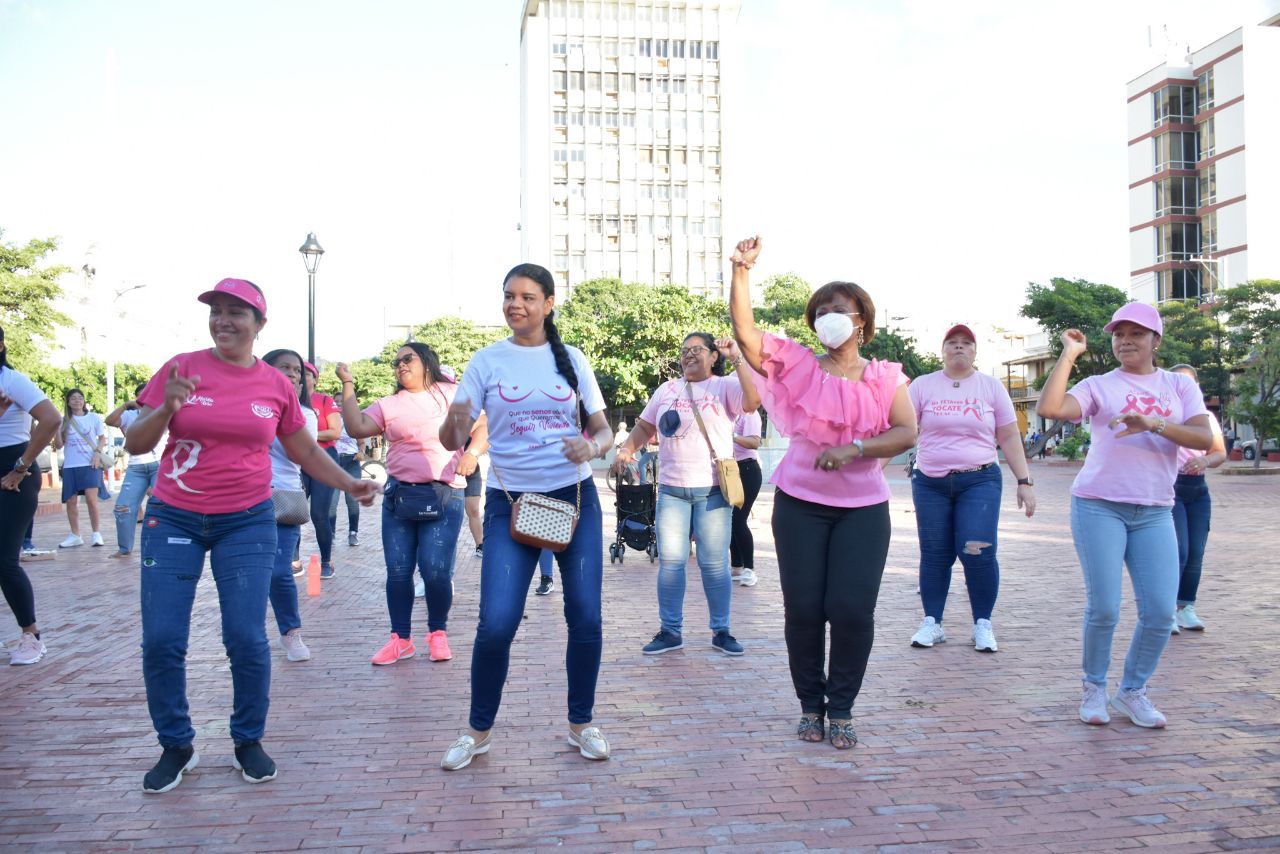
{"points": [[636, 527]]}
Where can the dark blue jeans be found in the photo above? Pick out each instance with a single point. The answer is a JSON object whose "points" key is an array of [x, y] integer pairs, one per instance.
{"points": [[241, 548], [1192, 509], [324, 504], [956, 516], [430, 547], [284, 592], [505, 574], [349, 464]]}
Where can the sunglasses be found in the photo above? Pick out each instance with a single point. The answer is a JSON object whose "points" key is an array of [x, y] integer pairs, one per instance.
{"points": [[406, 360]]}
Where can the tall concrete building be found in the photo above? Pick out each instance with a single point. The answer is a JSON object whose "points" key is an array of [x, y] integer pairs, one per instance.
{"points": [[1204, 175], [620, 124]]}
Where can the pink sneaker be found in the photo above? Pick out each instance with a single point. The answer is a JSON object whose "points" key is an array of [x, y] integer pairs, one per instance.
{"points": [[396, 649], [438, 646]]}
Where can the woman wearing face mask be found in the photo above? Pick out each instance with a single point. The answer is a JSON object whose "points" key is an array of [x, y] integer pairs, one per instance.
{"points": [[689, 497], [956, 486], [1122, 500], [843, 413], [538, 394], [82, 436], [410, 420], [222, 408]]}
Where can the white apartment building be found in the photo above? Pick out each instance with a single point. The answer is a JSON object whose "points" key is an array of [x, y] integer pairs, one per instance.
{"points": [[1204, 175], [620, 125]]}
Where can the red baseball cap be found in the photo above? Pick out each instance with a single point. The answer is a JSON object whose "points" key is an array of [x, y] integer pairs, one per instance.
{"points": [[311, 369], [242, 289], [961, 329]]}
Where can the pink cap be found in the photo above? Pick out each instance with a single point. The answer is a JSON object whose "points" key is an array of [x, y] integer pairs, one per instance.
{"points": [[960, 328], [307, 366], [241, 289], [1140, 313]]}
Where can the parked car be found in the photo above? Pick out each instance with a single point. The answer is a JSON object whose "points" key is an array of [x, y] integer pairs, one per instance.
{"points": [[1249, 447]]}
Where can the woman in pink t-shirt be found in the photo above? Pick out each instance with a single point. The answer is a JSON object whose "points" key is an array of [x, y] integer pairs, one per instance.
{"points": [[689, 497], [842, 414], [422, 508], [223, 408], [956, 485], [1122, 500]]}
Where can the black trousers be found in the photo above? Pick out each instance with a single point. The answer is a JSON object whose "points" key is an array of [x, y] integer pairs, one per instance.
{"points": [[17, 509], [742, 546], [830, 561]]}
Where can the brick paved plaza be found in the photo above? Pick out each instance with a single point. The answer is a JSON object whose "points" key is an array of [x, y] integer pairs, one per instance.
{"points": [[960, 750]]}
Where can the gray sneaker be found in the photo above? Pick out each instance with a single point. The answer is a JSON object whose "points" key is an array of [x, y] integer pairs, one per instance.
{"points": [[1093, 705], [1138, 708], [663, 641], [353, 538], [726, 643], [929, 633]]}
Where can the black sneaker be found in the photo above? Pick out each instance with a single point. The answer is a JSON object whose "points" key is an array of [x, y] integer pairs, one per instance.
{"points": [[545, 586], [326, 571], [254, 763], [663, 641], [480, 550], [167, 773], [726, 643]]}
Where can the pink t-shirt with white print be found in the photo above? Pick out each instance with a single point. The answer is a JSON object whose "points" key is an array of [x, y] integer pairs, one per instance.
{"points": [[217, 458], [683, 457], [1141, 468], [958, 421], [411, 421]]}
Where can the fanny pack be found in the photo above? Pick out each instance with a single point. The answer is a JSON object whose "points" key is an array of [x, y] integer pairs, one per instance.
{"points": [[417, 502]]}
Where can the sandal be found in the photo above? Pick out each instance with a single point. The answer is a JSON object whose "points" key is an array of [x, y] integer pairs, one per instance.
{"points": [[842, 735], [810, 728]]}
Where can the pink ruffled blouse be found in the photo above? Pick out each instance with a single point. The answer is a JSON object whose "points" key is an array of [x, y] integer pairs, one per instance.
{"points": [[817, 411]]}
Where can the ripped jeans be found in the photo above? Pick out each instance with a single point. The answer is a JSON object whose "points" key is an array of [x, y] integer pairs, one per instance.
{"points": [[956, 516], [138, 478]]}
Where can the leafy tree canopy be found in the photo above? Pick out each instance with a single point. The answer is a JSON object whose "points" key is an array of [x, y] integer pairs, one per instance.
{"points": [[1252, 312], [1191, 337], [1076, 304], [28, 291], [88, 375]]}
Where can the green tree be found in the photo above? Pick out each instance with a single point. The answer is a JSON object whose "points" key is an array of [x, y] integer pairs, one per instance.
{"points": [[1252, 312], [1192, 337], [28, 291], [1076, 304], [631, 334], [90, 376], [894, 346], [785, 297]]}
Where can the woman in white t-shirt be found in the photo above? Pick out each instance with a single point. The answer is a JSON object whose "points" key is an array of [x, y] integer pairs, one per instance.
{"points": [[20, 444], [689, 497], [82, 436], [546, 423]]}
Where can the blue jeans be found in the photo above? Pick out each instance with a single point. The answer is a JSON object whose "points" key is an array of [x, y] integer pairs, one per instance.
{"points": [[138, 479], [703, 509], [241, 548], [430, 547], [956, 516], [284, 592], [1110, 535], [324, 504], [505, 573], [349, 464], [1192, 509]]}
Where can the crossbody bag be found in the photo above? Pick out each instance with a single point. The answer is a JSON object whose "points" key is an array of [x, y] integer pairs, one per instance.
{"points": [[727, 469], [541, 521]]}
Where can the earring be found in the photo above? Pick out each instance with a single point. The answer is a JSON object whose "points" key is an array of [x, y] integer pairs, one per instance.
{"points": [[860, 336]]}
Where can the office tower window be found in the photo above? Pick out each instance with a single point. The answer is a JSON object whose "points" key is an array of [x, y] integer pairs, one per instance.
{"points": [[642, 13], [1209, 184], [662, 225], [558, 8], [646, 191], [662, 121], [1179, 284], [695, 154], [644, 155], [1209, 232], [713, 121], [593, 45], [677, 14], [677, 85], [593, 11], [695, 121], [713, 224], [663, 85], [695, 85], [680, 191], [611, 81], [697, 227], [1175, 150], [561, 261], [560, 155], [712, 87], [628, 120], [646, 46], [695, 50], [593, 81], [576, 118], [662, 191], [627, 82], [575, 9], [628, 225], [679, 120], [677, 49], [713, 157], [610, 11], [611, 190], [559, 118], [593, 118], [713, 50], [577, 155], [662, 156], [559, 49], [575, 81], [1208, 144], [678, 156], [578, 262], [627, 47], [576, 189], [609, 46], [559, 80], [611, 120], [646, 225], [661, 48], [1204, 91], [611, 225], [1173, 103], [681, 225], [595, 224], [1178, 195], [1177, 241], [645, 83], [626, 12], [659, 14]]}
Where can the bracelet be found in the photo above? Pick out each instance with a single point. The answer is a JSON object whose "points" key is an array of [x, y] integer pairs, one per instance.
{"points": [[734, 363], [744, 265], [1159, 428], [351, 382]]}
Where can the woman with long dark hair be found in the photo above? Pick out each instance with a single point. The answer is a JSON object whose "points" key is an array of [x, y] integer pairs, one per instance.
{"points": [[536, 392], [692, 417], [223, 407], [21, 442], [81, 437], [843, 413], [417, 465]]}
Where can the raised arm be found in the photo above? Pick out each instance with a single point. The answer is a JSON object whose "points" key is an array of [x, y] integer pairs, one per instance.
{"points": [[144, 434], [1054, 401], [749, 338], [359, 425], [746, 376]]}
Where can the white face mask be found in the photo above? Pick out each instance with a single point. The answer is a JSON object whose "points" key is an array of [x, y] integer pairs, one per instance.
{"points": [[833, 328]]}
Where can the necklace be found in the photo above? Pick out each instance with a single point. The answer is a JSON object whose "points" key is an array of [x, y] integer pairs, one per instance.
{"points": [[840, 372]]}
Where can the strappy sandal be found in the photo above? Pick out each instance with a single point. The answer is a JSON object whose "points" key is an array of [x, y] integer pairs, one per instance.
{"points": [[810, 728], [842, 730]]}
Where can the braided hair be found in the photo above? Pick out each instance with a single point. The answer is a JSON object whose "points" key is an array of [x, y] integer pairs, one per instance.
{"points": [[541, 275]]}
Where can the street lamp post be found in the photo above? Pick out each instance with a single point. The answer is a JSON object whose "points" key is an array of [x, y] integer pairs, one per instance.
{"points": [[311, 251], [111, 350]]}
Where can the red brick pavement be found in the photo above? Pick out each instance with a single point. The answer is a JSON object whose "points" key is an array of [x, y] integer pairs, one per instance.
{"points": [[960, 750]]}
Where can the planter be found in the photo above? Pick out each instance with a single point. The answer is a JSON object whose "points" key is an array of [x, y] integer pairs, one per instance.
{"points": [[1273, 457], [1236, 455]]}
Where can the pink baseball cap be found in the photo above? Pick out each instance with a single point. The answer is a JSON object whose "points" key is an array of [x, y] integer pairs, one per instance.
{"points": [[959, 328], [241, 289], [1140, 313], [310, 368]]}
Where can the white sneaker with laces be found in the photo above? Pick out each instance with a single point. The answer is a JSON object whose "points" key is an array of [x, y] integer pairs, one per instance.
{"points": [[71, 542], [746, 578], [1185, 618], [30, 650], [929, 633], [1093, 705], [984, 637], [1138, 708], [97, 540], [1174, 630], [294, 647]]}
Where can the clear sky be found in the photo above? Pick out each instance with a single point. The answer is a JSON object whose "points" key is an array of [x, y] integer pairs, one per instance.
{"points": [[942, 154]]}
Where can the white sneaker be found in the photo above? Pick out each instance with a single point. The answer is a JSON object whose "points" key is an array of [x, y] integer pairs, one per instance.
{"points": [[294, 648], [97, 540], [984, 637], [1093, 705], [1174, 630], [71, 542], [419, 589], [29, 650], [1185, 618], [747, 578], [929, 633], [1138, 708]]}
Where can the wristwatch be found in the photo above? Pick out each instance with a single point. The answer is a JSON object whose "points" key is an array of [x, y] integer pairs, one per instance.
{"points": [[20, 467], [1025, 481], [862, 452]]}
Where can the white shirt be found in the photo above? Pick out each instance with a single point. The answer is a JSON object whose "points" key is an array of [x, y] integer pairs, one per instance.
{"points": [[284, 471], [81, 439], [345, 444], [531, 408], [15, 423], [153, 456]]}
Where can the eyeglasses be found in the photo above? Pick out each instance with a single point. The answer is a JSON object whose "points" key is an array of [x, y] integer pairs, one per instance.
{"points": [[693, 351], [406, 360]]}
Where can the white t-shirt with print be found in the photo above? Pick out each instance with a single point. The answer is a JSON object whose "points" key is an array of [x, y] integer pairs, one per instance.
{"points": [[81, 442], [530, 408], [15, 422], [153, 456]]}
